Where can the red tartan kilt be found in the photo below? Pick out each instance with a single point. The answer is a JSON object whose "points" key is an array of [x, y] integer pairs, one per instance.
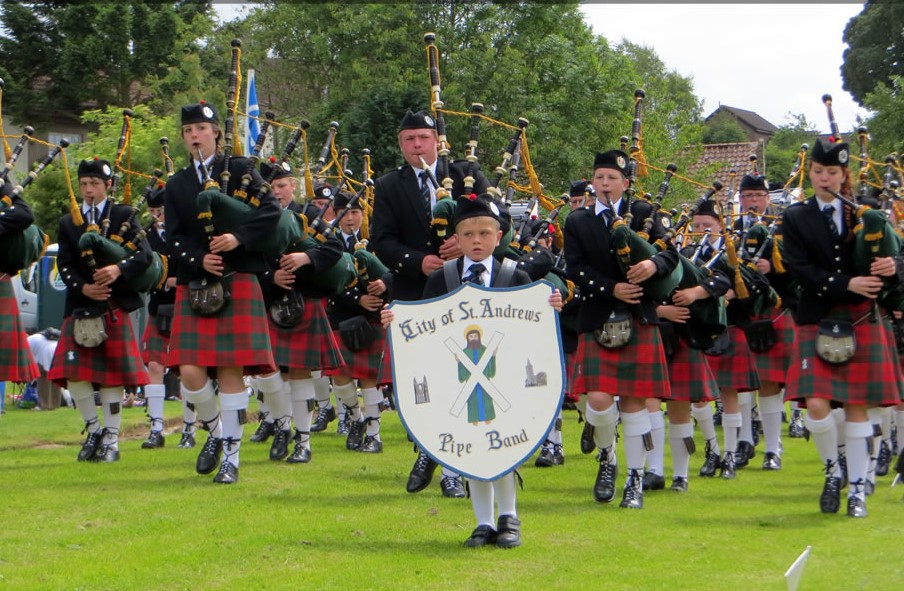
{"points": [[691, 377], [236, 337], [309, 344], [570, 396], [384, 374], [360, 365], [772, 366], [115, 362], [871, 377], [637, 370], [16, 361], [736, 368], [153, 345]]}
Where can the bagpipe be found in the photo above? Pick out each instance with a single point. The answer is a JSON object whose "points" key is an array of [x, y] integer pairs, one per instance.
{"points": [[21, 248], [100, 247]]}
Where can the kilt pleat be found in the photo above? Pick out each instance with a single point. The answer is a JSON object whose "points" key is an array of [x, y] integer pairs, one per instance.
{"points": [[236, 337], [154, 345], [637, 370], [364, 364], [115, 362], [310, 344], [871, 377], [772, 365], [736, 368], [570, 394], [690, 375], [16, 361]]}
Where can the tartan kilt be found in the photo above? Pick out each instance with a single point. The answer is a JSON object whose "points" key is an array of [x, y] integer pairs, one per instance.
{"points": [[736, 368], [115, 362], [384, 374], [236, 337], [309, 344], [364, 364], [637, 370], [570, 395], [772, 366], [16, 361], [871, 377], [690, 375], [153, 345]]}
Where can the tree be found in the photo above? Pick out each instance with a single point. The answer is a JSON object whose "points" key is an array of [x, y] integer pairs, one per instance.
{"points": [[886, 126], [723, 130], [875, 52], [783, 149]]}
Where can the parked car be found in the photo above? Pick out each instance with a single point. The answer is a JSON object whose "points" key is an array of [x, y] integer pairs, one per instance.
{"points": [[41, 293]]}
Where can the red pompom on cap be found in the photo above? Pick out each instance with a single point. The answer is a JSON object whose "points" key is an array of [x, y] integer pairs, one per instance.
{"points": [[272, 159], [473, 196], [202, 102]]}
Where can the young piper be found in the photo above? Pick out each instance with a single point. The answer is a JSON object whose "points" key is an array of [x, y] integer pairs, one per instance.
{"points": [[115, 363], [478, 230]]}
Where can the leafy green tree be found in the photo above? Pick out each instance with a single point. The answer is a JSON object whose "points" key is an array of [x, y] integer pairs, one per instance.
{"points": [[723, 130], [886, 126], [783, 149], [875, 53]]}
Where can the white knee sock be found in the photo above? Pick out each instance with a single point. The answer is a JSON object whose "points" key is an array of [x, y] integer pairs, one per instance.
{"points": [[189, 416], [745, 407], [347, 394], [680, 457], [274, 393], [825, 436], [838, 416], [482, 501], [555, 432], [232, 407], [504, 491], [704, 417], [656, 457], [155, 393], [635, 425], [858, 438], [771, 412], [205, 404], [83, 395], [604, 425], [322, 392], [302, 404], [731, 422], [372, 399], [111, 404]]}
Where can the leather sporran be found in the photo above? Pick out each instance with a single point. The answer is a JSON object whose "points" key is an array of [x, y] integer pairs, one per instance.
{"points": [[715, 346], [88, 328], [206, 297], [835, 342], [288, 310], [356, 333], [616, 332], [669, 335], [164, 318], [761, 335]]}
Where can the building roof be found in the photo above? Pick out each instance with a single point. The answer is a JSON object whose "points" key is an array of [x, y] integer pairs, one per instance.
{"points": [[749, 118]]}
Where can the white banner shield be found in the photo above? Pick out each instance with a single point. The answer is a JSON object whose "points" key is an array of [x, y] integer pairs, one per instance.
{"points": [[478, 375]]}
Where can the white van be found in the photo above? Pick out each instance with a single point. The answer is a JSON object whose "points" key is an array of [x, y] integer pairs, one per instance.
{"points": [[27, 286]]}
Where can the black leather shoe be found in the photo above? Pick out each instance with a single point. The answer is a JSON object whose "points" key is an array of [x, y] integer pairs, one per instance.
{"points": [[228, 474], [421, 473], [209, 456], [355, 435], [324, 417], [633, 495], [856, 507], [830, 500], [187, 441], [772, 461], [679, 484], [508, 531], [744, 454], [483, 535], [558, 454], [90, 446], [604, 487], [883, 459], [155, 439], [279, 448], [710, 463], [453, 487], [371, 445], [653, 481], [547, 458], [796, 428], [588, 444], [264, 431], [727, 467], [107, 454], [301, 454]]}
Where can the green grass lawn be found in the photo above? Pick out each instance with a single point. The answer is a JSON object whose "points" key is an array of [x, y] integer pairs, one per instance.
{"points": [[345, 522]]}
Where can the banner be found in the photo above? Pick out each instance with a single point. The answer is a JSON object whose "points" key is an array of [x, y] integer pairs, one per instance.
{"points": [[252, 127], [478, 375]]}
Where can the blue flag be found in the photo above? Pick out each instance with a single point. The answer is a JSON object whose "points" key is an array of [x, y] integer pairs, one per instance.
{"points": [[252, 127]]}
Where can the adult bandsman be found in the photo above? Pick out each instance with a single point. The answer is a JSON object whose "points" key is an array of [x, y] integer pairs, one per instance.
{"points": [[81, 363], [819, 251], [634, 370], [206, 342], [403, 239]]}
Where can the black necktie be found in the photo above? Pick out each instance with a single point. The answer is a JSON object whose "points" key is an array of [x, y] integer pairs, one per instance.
{"points": [[350, 243], [828, 211], [607, 216], [475, 270], [425, 194]]}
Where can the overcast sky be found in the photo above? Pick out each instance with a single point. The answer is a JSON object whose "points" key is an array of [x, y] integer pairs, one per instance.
{"points": [[773, 59]]}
